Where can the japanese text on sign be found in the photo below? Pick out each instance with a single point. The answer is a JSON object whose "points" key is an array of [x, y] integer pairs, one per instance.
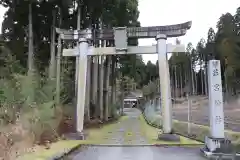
{"points": [[216, 87], [215, 72], [218, 119], [215, 64], [217, 102]]}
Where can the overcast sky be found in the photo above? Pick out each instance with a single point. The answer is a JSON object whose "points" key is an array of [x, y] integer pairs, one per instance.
{"points": [[203, 14]]}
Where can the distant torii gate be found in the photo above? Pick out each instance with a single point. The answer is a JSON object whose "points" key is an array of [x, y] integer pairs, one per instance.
{"points": [[120, 35]]}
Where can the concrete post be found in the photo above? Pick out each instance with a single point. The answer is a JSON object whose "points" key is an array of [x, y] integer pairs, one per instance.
{"points": [[216, 144], [166, 102], [81, 89], [169, 93], [215, 99], [77, 57]]}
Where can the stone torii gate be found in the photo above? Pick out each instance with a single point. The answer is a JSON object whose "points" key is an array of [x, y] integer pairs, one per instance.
{"points": [[120, 35]]}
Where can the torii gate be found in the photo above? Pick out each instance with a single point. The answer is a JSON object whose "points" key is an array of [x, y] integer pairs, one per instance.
{"points": [[120, 35]]}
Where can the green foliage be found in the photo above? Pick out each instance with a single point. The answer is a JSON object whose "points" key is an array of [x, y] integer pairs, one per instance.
{"points": [[28, 99], [40, 119], [150, 90], [114, 110]]}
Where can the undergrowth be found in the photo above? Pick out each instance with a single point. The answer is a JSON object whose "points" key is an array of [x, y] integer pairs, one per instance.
{"points": [[28, 111], [27, 104]]}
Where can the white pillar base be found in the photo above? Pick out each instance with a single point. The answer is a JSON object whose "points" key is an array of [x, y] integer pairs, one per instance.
{"points": [[217, 144], [219, 148], [76, 136], [169, 137]]}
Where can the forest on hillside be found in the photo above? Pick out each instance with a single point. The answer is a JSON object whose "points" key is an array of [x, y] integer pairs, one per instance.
{"points": [[189, 71]]}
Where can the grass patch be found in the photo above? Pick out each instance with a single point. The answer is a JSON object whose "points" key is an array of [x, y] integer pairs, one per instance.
{"points": [[198, 132], [152, 133]]}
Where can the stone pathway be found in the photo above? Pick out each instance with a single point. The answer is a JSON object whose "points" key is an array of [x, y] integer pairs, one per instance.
{"points": [[128, 141], [137, 153], [128, 131]]}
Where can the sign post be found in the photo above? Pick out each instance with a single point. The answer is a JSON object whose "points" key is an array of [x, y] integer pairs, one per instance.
{"points": [[216, 100], [216, 144]]}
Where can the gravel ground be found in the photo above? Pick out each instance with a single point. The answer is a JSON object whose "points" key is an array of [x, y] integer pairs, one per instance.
{"points": [[137, 153], [119, 148], [200, 113]]}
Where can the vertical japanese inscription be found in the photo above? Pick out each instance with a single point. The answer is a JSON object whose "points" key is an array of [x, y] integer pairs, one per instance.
{"points": [[215, 73], [218, 119], [216, 88], [217, 102]]}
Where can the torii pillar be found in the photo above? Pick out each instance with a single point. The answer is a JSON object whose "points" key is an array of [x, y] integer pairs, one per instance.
{"points": [[166, 102]]}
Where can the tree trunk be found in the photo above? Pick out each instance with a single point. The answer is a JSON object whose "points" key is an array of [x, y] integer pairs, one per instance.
{"points": [[52, 56], [196, 82], [30, 41], [59, 50], [95, 74], [107, 76], [181, 81], [113, 81], [192, 78], [202, 81], [205, 79], [88, 87], [176, 83], [202, 75], [101, 75], [172, 83], [226, 86], [30, 52], [186, 83]]}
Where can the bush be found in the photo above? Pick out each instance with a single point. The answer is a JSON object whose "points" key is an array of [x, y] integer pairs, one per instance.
{"points": [[28, 100], [114, 109], [28, 112]]}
